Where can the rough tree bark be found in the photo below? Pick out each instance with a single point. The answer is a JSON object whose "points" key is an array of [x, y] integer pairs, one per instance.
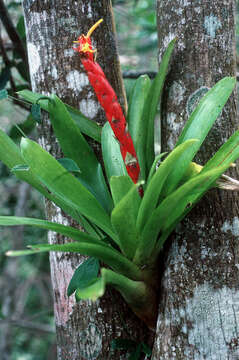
{"points": [[85, 330], [199, 305]]}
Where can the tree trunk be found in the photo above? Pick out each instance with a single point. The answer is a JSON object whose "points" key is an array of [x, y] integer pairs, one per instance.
{"points": [[199, 305], [85, 330]]}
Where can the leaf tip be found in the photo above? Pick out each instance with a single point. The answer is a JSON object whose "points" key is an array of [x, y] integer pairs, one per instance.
{"points": [[9, 253]]}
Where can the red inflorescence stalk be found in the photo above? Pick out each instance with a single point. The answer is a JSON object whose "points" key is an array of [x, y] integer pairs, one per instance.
{"points": [[108, 100]]}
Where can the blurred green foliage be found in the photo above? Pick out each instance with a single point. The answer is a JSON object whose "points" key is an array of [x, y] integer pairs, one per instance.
{"points": [[137, 36], [137, 33]]}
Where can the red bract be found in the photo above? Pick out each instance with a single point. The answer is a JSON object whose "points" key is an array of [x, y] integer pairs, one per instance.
{"points": [[108, 100]]}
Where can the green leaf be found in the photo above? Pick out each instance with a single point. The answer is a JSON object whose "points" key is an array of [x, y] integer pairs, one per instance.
{"points": [[3, 94], [92, 292], [108, 255], [75, 147], [36, 112], [64, 185], [199, 124], [123, 219], [26, 127], [171, 210], [155, 165], [226, 155], [11, 156], [136, 106], [20, 130], [69, 165], [88, 226], [134, 292], [192, 170], [146, 126], [68, 231], [83, 275], [185, 197], [120, 186], [208, 109], [114, 164], [21, 27], [154, 188], [87, 126], [20, 168]]}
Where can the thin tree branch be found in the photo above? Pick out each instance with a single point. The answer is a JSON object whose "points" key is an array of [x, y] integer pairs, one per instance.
{"points": [[7, 63], [29, 325]]}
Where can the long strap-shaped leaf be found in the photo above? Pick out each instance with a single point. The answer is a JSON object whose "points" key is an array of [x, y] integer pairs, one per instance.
{"points": [[119, 186], [136, 106], [155, 166], [11, 156], [87, 126], [113, 162], [226, 155], [199, 124], [134, 292], [154, 188], [75, 147], [123, 219], [108, 255], [146, 127], [48, 225], [64, 185], [171, 209]]}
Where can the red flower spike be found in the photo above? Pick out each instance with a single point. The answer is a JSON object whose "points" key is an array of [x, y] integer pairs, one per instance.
{"points": [[108, 100]]}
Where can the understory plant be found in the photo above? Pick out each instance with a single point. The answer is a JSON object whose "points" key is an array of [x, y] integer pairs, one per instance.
{"points": [[128, 210]]}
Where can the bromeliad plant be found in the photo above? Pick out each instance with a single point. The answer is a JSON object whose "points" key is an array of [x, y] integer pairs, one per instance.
{"points": [[127, 223]]}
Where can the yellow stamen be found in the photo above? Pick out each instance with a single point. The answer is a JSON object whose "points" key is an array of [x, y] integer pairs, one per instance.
{"points": [[87, 48], [93, 28]]}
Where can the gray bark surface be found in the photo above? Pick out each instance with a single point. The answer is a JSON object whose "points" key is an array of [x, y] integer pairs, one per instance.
{"points": [[84, 330], [199, 302]]}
